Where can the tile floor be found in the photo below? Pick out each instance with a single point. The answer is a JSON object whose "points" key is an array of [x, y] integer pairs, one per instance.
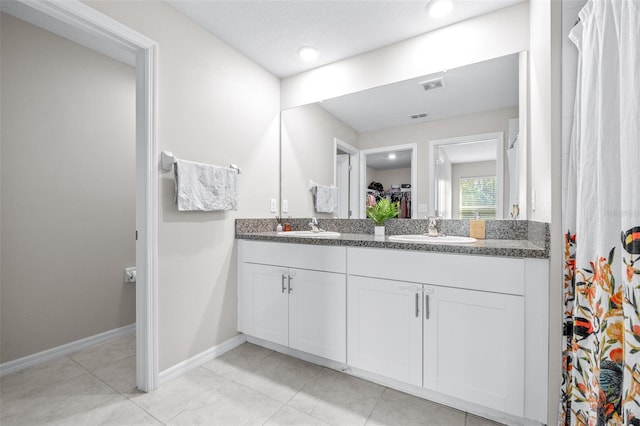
{"points": [[249, 385]]}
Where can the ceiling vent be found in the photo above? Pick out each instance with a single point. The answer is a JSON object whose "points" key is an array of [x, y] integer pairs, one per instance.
{"points": [[435, 83], [418, 115]]}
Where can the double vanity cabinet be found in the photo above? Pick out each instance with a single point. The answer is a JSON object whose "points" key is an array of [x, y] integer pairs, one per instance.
{"points": [[465, 330]]}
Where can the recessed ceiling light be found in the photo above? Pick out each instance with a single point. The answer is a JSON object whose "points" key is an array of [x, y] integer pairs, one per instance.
{"points": [[392, 156], [439, 8], [308, 53]]}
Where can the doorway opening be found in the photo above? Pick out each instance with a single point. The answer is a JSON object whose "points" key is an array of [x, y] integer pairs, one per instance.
{"points": [[346, 169], [397, 166], [82, 24]]}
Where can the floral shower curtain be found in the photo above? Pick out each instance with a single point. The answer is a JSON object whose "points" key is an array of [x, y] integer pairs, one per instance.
{"points": [[601, 377]]}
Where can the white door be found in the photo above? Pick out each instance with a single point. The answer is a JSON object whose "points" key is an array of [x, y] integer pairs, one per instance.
{"points": [[474, 346], [385, 328], [317, 313], [267, 302], [343, 184]]}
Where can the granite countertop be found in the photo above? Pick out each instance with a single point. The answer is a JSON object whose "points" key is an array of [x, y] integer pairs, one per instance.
{"points": [[488, 247]]}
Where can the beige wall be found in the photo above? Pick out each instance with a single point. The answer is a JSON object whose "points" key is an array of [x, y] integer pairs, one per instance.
{"points": [[308, 153], [218, 107], [489, 36], [389, 177], [422, 133], [68, 190], [460, 170]]}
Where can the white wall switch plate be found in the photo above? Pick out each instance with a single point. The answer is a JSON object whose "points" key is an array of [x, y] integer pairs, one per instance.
{"points": [[285, 206], [274, 205], [422, 208]]}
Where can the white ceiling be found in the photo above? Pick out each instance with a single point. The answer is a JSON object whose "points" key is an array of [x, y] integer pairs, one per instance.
{"points": [[470, 152], [270, 32], [484, 86], [381, 161]]}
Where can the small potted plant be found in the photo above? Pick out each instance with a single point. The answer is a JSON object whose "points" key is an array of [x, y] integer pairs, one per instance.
{"points": [[381, 212]]}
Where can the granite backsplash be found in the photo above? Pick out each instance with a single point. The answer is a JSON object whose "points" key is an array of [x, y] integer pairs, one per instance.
{"points": [[535, 232]]}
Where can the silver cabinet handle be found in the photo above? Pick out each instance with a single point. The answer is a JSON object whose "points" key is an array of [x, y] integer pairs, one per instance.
{"points": [[283, 286], [289, 283], [417, 305], [426, 307]]}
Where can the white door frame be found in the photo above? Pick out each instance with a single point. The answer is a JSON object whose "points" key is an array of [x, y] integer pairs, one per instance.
{"points": [[81, 24], [354, 154], [413, 147], [498, 136], [340, 182]]}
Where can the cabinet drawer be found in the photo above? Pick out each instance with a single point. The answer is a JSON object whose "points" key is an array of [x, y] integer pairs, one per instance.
{"points": [[302, 256], [494, 274]]}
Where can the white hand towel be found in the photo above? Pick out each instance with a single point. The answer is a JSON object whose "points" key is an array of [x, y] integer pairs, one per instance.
{"points": [[326, 198], [205, 187]]}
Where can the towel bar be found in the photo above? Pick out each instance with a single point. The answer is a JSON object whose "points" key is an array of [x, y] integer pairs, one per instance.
{"points": [[168, 160]]}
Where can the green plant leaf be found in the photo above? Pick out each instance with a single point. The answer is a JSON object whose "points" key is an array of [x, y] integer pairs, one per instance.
{"points": [[382, 211]]}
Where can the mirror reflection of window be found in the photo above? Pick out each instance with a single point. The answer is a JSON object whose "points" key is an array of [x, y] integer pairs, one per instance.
{"points": [[467, 173], [478, 197]]}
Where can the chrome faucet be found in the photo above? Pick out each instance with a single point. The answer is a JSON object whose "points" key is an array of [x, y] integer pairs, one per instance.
{"points": [[315, 226], [433, 230]]}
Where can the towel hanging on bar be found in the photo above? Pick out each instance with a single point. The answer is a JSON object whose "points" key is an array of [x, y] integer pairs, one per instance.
{"points": [[167, 160], [325, 197], [204, 187]]}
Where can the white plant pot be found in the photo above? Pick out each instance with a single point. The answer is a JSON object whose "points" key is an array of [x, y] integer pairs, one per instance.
{"points": [[379, 231]]}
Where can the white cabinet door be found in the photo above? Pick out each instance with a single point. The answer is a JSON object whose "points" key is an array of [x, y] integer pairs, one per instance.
{"points": [[317, 313], [266, 302], [474, 346], [385, 328]]}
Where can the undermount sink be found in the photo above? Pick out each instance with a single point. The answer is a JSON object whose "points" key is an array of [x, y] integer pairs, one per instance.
{"points": [[446, 239], [309, 234]]}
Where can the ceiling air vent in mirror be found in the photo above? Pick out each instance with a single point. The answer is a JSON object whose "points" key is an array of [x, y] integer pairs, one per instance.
{"points": [[435, 83], [418, 115]]}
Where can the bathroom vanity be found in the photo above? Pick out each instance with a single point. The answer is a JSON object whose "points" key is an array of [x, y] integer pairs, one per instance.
{"points": [[458, 325]]}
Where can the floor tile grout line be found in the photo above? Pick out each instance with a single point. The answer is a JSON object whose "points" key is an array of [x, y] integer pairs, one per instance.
{"points": [[260, 392], [85, 350], [384, 389], [191, 403], [125, 395], [47, 385], [92, 374], [309, 414], [276, 412], [130, 399], [323, 395], [116, 394]]}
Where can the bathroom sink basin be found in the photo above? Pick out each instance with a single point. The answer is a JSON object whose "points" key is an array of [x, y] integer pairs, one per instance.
{"points": [[447, 239], [309, 234]]}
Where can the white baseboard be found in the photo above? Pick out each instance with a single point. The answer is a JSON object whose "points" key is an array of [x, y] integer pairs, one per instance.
{"points": [[66, 349], [199, 359]]}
